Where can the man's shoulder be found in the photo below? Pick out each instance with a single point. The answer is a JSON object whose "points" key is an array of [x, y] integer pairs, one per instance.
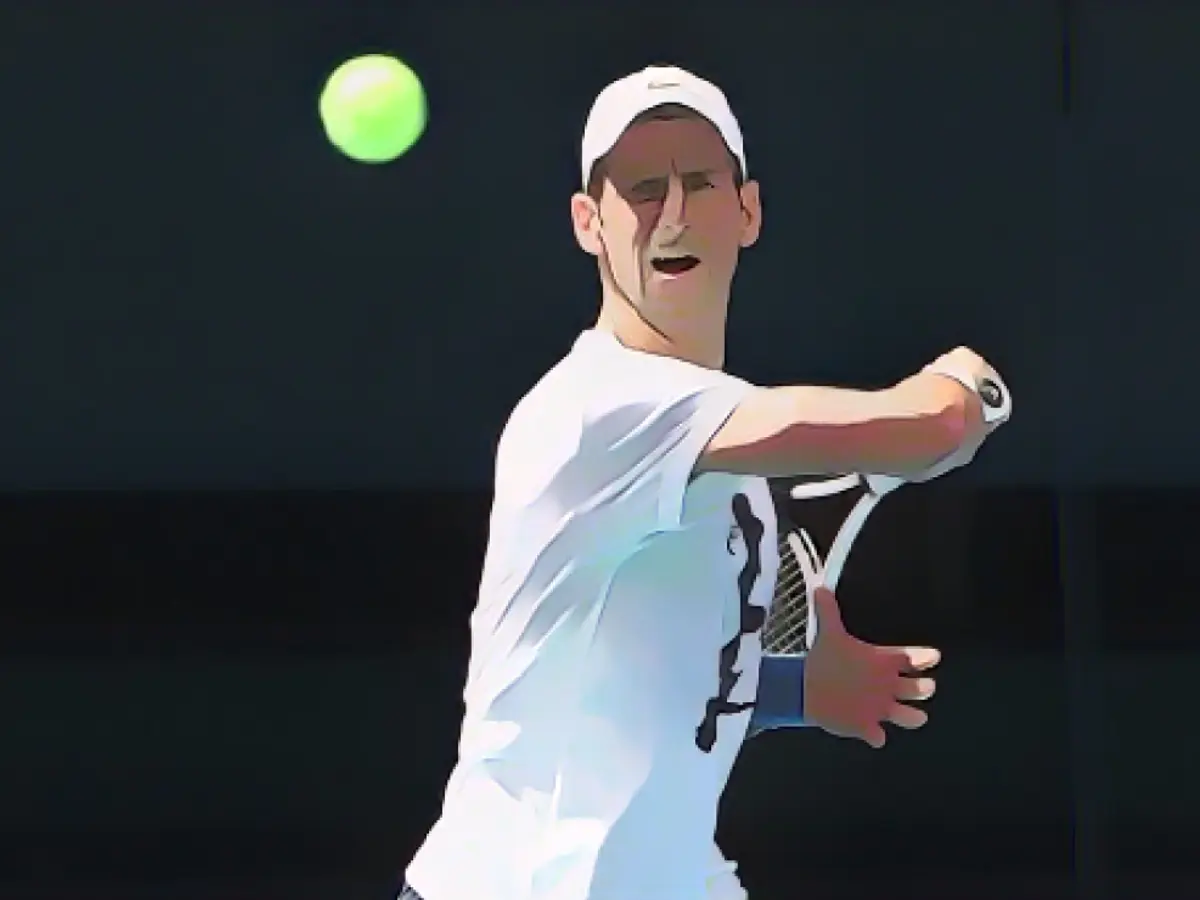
{"points": [[600, 371], [607, 391], [550, 398], [565, 389]]}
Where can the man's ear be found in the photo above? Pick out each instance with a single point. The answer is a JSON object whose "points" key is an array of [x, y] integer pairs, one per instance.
{"points": [[751, 213], [585, 218]]}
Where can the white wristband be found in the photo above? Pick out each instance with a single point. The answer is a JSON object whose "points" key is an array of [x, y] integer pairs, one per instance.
{"points": [[997, 400]]}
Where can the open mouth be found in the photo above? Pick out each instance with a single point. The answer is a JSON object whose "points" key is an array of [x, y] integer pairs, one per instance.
{"points": [[674, 265]]}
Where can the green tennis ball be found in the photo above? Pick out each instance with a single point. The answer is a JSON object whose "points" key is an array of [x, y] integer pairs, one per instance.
{"points": [[373, 108]]}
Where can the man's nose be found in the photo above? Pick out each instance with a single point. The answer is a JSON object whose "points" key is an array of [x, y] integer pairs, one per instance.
{"points": [[674, 206]]}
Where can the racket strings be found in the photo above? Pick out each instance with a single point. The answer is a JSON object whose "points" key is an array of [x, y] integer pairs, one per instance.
{"points": [[786, 628]]}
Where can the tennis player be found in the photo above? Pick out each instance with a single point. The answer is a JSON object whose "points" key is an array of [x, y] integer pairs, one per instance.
{"points": [[615, 662]]}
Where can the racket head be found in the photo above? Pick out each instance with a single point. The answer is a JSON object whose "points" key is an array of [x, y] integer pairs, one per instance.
{"points": [[791, 626]]}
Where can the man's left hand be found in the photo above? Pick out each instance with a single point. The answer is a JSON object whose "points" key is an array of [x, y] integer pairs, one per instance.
{"points": [[851, 688]]}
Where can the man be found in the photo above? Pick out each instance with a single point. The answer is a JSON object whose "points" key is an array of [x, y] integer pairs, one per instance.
{"points": [[615, 651]]}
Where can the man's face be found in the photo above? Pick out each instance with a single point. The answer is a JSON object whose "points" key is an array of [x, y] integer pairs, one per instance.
{"points": [[669, 222]]}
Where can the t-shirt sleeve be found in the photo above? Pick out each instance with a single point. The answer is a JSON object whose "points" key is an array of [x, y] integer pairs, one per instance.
{"points": [[646, 427]]}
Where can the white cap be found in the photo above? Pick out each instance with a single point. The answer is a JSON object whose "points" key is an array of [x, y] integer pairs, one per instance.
{"points": [[624, 100]]}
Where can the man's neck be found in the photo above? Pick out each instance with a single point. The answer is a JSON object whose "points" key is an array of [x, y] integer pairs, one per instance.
{"points": [[634, 332]]}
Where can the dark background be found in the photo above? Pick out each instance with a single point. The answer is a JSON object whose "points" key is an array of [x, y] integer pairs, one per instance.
{"points": [[250, 390]]}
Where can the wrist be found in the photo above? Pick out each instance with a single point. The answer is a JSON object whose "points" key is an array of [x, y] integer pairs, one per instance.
{"points": [[780, 702], [986, 397]]}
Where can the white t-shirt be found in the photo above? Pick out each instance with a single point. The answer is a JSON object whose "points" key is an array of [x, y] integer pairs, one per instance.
{"points": [[615, 645]]}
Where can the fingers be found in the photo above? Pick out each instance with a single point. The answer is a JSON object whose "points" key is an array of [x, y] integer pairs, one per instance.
{"points": [[917, 659], [915, 688], [908, 690], [907, 717]]}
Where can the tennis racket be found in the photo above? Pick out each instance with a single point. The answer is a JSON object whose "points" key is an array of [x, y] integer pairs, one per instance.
{"points": [[791, 627]]}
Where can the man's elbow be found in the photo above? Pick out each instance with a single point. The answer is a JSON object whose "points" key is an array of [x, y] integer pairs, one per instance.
{"points": [[940, 410]]}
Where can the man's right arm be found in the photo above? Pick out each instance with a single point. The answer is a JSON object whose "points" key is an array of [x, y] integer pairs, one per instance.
{"points": [[788, 431]]}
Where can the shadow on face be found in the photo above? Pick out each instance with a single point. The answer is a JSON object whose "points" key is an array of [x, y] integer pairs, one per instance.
{"points": [[668, 209]]}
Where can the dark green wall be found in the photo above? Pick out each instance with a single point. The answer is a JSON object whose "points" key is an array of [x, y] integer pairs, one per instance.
{"points": [[197, 293]]}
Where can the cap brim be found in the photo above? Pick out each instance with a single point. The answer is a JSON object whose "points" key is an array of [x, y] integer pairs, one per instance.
{"points": [[604, 135]]}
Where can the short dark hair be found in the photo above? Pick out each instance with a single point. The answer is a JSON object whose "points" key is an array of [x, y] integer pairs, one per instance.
{"points": [[666, 113]]}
